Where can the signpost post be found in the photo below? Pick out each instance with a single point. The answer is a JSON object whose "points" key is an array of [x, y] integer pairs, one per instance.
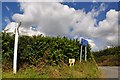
{"points": [[15, 48], [81, 54], [83, 43], [85, 53]]}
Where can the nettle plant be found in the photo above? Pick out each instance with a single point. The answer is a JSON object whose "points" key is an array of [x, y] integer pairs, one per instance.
{"points": [[33, 49]]}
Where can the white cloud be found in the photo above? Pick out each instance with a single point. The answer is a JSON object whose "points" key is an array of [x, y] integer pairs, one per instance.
{"points": [[97, 10], [85, 24], [56, 19], [102, 7], [39, 0], [7, 20], [52, 18], [108, 28], [10, 28], [93, 45], [29, 32]]}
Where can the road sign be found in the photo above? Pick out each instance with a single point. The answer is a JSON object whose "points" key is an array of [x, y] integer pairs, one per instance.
{"points": [[84, 42]]}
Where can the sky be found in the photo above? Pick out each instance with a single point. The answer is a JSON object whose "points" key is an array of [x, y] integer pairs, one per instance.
{"points": [[96, 22]]}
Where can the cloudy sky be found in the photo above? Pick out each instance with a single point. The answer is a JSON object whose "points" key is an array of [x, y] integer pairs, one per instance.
{"points": [[97, 22]]}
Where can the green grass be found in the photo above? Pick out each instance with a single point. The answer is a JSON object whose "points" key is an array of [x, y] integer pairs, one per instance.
{"points": [[83, 70]]}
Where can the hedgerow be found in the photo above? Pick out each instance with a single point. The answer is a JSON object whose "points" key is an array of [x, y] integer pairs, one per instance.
{"points": [[33, 49]]}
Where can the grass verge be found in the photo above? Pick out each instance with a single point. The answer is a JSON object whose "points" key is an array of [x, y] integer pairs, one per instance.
{"points": [[82, 70]]}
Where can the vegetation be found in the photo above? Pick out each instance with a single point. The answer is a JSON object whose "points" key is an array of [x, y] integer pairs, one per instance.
{"points": [[108, 57], [35, 49], [83, 70], [40, 56]]}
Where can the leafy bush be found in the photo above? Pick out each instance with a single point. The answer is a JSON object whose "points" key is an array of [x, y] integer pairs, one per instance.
{"points": [[32, 50]]}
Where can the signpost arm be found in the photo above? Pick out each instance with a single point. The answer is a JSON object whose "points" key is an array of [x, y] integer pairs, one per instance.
{"points": [[81, 54]]}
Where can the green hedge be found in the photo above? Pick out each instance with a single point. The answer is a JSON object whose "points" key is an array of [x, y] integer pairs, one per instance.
{"points": [[51, 50], [109, 51]]}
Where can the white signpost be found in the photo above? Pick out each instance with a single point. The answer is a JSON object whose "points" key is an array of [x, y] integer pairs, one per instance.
{"points": [[15, 48]]}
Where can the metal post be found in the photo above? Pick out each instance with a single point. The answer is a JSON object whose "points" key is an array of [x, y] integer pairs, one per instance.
{"points": [[85, 53], [81, 54]]}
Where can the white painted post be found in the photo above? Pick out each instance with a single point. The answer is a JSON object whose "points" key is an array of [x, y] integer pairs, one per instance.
{"points": [[15, 48], [85, 53], [81, 54]]}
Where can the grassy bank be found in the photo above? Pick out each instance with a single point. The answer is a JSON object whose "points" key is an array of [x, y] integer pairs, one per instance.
{"points": [[83, 70]]}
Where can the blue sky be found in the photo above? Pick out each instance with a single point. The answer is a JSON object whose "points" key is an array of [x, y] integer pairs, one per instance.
{"points": [[11, 8], [0, 16], [14, 7], [88, 6]]}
